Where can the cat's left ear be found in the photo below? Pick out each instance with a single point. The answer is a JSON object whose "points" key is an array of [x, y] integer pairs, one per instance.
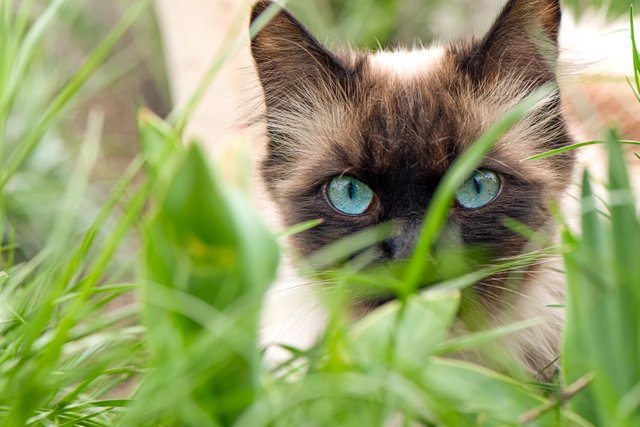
{"points": [[522, 43], [291, 63]]}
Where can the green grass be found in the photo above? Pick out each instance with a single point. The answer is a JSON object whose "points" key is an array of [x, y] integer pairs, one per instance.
{"points": [[96, 332], [615, 8], [603, 305]]}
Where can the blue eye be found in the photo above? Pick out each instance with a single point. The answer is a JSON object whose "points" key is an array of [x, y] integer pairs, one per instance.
{"points": [[479, 190], [348, 195]]}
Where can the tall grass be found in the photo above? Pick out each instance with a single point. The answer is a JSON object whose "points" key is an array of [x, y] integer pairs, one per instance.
{"points": [[601, 341], [61, 353], [601, 337], [186, 351]]}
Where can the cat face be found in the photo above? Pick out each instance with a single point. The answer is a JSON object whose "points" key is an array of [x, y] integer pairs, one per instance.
{"points": [[359, 139]]}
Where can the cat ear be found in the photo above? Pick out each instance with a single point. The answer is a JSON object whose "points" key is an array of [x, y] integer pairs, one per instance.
{"points": [[522, 43], [291, 63]]}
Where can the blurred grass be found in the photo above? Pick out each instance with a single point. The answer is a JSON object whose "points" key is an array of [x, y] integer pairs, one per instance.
{"points": [[603, 301], [380, 23], [186, 353], [61, 353], [376, 23], [614, 8], [30, 85]]}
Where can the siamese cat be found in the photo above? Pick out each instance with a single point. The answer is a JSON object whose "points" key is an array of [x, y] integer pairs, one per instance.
{"points": [[359, 139]]}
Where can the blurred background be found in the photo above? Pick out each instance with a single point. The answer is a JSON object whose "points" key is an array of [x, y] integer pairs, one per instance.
{"points": [[145, 70], [133, 75], [374, 23]]}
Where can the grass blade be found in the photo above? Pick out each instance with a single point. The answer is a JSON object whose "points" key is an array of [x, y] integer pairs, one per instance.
{"points": [[561, 150]]}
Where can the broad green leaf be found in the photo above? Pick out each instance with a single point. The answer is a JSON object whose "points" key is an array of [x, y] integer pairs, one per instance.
{"points": [[404, 334], [471, 395], [348, 398], [205, 243]]}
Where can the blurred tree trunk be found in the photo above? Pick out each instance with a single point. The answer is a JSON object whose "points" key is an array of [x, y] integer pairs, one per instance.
{"points": [[195, 32]]}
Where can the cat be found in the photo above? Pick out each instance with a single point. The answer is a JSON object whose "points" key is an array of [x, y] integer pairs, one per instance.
{"points": [[359, 139]]}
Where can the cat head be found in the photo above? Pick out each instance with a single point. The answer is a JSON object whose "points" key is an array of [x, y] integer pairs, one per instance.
{"points": [[358, 139]]}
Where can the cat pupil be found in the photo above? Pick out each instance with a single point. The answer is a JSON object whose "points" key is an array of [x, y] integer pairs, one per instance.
{"points": [[477, 185], [352, 190]]}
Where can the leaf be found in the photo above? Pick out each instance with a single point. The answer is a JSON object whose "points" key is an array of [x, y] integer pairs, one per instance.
{"points": [[406, 333], [158, 141], [468, 393], [205, 244]]}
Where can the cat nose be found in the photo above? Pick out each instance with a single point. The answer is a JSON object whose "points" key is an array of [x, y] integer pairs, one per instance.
{"points": [[401, 245]]}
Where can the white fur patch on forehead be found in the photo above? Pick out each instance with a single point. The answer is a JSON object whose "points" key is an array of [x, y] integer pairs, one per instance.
{"points": [[406, 63]]}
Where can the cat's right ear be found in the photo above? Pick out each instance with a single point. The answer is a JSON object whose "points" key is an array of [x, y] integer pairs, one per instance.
{"points": [[522, 44], [291, 63]]}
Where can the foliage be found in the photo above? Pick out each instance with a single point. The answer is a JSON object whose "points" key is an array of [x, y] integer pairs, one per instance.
{"points": [[61, 353], [603, 301], [601, 340], [615, 8]]}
